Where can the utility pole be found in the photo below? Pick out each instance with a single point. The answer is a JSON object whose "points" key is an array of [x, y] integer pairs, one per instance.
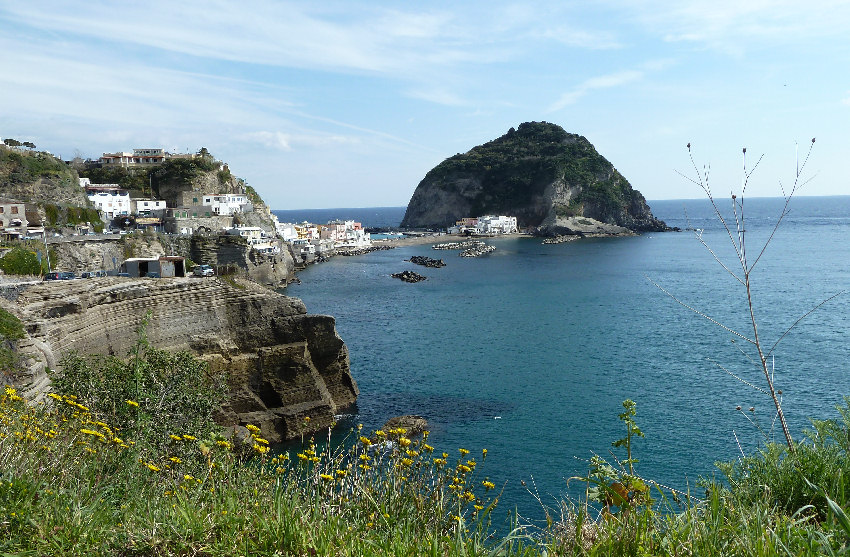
{"points": [[46, 249]]}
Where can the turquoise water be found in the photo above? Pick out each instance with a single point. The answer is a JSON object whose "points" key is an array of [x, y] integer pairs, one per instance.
{"points": [[529, 352]]}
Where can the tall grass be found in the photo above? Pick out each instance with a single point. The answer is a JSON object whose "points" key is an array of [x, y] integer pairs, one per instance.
{"points": [[72, 484]]}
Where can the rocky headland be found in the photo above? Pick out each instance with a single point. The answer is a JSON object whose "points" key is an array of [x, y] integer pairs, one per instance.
{"points": [[282, 363], [554, 182]]}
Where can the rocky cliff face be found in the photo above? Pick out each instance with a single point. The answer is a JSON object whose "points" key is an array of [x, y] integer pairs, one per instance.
{"points": [[283, 364], [227, 250], [539, 173]]}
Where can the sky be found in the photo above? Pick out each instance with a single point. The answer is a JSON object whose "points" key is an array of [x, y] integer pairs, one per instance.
{"points": [[350, 103]]}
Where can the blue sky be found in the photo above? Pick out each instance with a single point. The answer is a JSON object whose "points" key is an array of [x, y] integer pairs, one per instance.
{"points": [[349, 104]]}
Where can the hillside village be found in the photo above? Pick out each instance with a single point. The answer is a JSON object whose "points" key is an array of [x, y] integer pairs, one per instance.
{"points": [[186, 195]]}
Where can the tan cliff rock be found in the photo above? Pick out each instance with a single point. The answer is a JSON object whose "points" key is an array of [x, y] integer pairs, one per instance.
{"points": [[283, 365]]}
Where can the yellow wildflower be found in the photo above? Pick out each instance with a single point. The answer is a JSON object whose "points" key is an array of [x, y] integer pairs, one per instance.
{"points": [[366, 441], [326, 477], [175, 437], [132, 403], [223, 444], [463, 452], [190, 438], [252, 428], [151, 467], [488, 485], [404, 441]]}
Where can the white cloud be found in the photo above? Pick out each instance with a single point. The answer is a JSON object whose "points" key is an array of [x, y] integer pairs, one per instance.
{"points": [[594, 83], [733, 25], [281, 141]]}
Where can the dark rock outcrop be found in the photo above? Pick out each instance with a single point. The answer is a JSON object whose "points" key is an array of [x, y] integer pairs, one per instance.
{"points": [[427, 261], [539, 173], [283, 364], [409, 276]]}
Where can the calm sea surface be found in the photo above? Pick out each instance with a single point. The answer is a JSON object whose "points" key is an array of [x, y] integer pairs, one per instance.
{"points": [[530, 351]]}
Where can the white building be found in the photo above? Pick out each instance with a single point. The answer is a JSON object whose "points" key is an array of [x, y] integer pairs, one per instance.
{"points": [[109, 199], [147, 207], [139, 157], [486, 225], [226, 204], [501, 224], [256, 238], [287, 231]]}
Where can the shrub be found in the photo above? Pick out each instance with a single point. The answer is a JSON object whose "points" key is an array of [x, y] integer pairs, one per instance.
{"points": [[21, 261], [175, 392]]}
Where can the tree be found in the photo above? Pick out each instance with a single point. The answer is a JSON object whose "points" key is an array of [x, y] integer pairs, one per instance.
{"points": [[12, 142], [29, 144]]}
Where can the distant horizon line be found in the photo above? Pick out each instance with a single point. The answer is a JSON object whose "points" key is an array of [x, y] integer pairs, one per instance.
{"points": [[649, 201]]}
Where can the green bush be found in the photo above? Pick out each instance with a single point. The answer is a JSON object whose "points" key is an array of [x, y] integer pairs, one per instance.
{"points": [[21, 261], [175, 391], [782, 478], [11, 327], [52, 212]]}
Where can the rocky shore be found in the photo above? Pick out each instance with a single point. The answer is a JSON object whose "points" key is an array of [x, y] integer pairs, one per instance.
{"points": [[283, 364]]}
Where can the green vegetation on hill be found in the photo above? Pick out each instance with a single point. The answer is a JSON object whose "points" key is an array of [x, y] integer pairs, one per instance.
{"points": [[514, 174], [526, 160], [136, 180], [18, 167], [57, 215]]}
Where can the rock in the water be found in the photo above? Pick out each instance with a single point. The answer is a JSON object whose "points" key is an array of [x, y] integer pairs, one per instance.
{"points": [[538, 173], [412, 424], [427, 261], [408, 276]]}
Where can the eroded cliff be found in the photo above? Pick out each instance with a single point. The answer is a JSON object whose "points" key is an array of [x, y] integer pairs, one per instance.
{"points": [[282, 363]]}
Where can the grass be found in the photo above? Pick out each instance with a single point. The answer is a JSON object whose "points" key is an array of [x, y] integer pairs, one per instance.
{"points": [[72, 484]]}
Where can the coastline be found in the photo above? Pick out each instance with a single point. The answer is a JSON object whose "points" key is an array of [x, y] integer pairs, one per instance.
{"points": [[440, 238]]}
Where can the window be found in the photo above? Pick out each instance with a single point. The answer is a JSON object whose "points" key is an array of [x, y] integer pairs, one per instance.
{"points": [[194, 215], [2, 209], [207, 214], [14, 210], [194, 200]]}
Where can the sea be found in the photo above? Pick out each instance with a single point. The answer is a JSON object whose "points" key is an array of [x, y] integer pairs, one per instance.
{"points": [[530, 351]]}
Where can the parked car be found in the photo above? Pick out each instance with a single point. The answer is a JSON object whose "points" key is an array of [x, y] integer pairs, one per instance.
{"points": [[152, 274], [125, 275], [203, 271], [60, 275]]}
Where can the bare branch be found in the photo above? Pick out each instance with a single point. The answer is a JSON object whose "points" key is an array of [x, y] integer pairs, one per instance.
{"points": [[769, 352], [744, 381], [706, 246], [698, 312]]}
